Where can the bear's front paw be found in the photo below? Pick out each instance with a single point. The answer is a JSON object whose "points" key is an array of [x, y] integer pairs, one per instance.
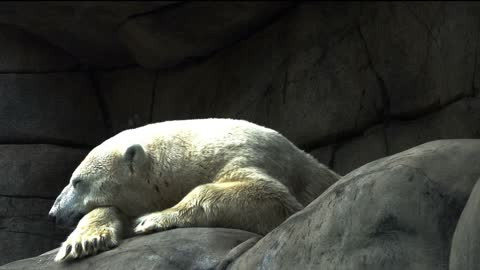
{"points": [[86, 241], [155, 222]]}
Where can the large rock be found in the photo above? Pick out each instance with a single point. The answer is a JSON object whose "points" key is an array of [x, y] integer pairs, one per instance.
{"points": [[423, 52], [24, 52], [189, 248], [58, 108], [398, 212], [194, 29], [466, 239], [306, 75], [128, 96], [86, 29]]}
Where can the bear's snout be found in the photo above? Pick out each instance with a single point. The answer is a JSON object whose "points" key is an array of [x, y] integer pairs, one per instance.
{"points": [[51, 215], [65, 210], [66, 221]]}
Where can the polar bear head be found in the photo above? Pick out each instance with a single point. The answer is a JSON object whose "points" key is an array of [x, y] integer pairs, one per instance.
{"points": [[110, 175]]}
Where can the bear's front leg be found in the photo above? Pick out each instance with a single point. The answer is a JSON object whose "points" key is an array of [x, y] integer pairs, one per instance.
{"points": [[256, 206], [99, 230]]}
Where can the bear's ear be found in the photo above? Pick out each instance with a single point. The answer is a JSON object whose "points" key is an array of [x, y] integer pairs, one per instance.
{"points": [[135, 156]]}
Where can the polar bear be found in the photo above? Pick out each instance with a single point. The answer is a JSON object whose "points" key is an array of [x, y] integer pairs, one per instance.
{"points": [[185, 173]]}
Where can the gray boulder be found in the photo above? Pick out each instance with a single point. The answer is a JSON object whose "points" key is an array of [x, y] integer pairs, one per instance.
{"points": [[398, 212], [466, 239], [187, 248]]}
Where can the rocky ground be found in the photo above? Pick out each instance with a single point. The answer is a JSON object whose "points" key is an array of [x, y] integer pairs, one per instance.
{"points": [[412, 210]]}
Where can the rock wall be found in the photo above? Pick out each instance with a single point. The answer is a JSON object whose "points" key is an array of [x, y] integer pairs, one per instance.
{"points": [[50, 118], [347, 82]]}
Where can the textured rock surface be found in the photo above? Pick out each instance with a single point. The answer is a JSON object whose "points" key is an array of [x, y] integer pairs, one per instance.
{"points": [[32, 176], [190, 248], [128, 96], [423, 53], [22, 51], [466, 240], [49, 108], [458, 120], [324, 155], [86, 29], [178, 34], [398, 212], [358, 151], [36, 170], [24, 228], [296, 76]]}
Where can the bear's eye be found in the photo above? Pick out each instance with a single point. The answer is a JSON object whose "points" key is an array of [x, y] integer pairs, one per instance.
{"points": [[75, 182]]}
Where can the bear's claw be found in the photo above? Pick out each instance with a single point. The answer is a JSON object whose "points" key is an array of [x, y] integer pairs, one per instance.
{"points": [[146, 224], [155, 222], [81, 244]]}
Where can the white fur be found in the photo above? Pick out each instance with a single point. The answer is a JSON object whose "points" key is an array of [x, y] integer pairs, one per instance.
{"points": [[205, 172]]}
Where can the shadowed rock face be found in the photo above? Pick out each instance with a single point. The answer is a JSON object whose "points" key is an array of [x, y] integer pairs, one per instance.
{"points": [[398, 212], [175, 35], [87, 29], [190, 248]]}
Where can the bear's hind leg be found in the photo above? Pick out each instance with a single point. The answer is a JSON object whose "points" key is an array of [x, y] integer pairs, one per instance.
{"points": [[253, 205], [99, 230]]}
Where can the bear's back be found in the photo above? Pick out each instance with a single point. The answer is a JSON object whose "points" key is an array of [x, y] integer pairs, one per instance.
{"points": [[201, 148]]}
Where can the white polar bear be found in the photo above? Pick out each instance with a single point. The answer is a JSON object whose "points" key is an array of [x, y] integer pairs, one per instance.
{"points": [[205, 172]]}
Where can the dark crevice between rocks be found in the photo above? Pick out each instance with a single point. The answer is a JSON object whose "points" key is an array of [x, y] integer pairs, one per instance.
{"points": [[49, 71], [384, 93], [153, 96], [102, 102], [236, 252], [332, 162], [475, 90], [199, 59], [436, 107], [60, 143], [150, 12], [385, 141], [79, 68], [349, 135], [423, 23], [113, 68], [17, 196]]}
